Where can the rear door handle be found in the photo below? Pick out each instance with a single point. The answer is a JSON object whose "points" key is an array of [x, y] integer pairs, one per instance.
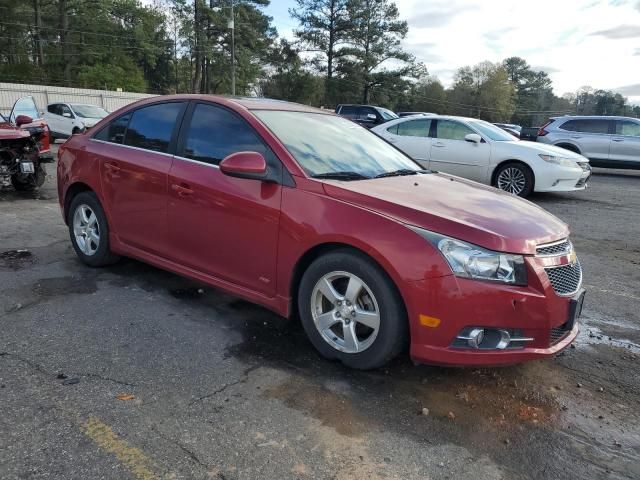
{"points": [[182, 190], [113, 167], [438, 144]]}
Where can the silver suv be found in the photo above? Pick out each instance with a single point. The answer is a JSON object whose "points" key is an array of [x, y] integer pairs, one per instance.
{"points": [[612, 142]]}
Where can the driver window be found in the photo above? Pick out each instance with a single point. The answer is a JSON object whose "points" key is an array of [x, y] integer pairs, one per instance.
{"points": [[451, 130]]}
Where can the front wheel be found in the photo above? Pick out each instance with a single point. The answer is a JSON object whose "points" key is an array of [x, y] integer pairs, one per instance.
{"points": [[516, 178], [351, 311], [89, 230]]}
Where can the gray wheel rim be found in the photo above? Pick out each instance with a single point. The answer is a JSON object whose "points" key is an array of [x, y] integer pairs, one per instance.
{"points": [[86, 229], [512, 180], [345, 312]]}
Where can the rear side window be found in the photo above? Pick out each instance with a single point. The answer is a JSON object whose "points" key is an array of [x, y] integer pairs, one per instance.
{"points": [[215, 133], [450, 130], [348, 110], [586, 126], [151, 127], [628, 128], [414, 128], [114, 131]]}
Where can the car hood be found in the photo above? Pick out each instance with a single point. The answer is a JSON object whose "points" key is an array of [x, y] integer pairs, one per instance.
{"points": [[542, 148], [9, 132], [456, 207]]}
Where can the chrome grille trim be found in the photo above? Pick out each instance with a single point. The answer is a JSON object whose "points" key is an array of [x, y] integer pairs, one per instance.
{"points": [[555, 249], [566, 280]]}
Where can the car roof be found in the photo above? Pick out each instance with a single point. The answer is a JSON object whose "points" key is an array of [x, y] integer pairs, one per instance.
{"points": [[249, 103], [592, 117]]}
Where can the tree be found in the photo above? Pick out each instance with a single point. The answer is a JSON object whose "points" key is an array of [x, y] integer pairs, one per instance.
{"points": [[325, 29], [377, 52]]}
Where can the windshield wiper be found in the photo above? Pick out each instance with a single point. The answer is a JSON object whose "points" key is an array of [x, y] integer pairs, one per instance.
{"points": [[400, 173], [341, 176]]}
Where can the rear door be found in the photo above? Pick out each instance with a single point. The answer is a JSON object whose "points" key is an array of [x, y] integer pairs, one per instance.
{"points": [[591, 135], [451, 153], [223, 226], [625, 144], [135, 155], [412, 137]]}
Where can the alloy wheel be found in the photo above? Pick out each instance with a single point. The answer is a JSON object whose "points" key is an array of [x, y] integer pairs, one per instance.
{"points": [[345, 312], [86, 229], [512, 180]]}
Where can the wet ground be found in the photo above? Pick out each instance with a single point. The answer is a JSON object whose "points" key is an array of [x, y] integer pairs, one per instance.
{"points": [[132, 372]]}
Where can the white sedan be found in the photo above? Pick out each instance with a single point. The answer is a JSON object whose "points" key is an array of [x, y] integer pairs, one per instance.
{"points": [[480, 151]]}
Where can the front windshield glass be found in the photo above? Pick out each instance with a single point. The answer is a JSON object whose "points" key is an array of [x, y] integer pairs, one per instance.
{"points": [[325, 144], [491, 131], [89, 111], [387, 114]]}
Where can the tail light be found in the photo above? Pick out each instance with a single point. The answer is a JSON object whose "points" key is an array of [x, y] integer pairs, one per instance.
{"points": [[541, 131]]}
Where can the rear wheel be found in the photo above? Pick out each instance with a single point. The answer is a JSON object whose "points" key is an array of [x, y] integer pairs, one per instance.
{"points": [[516, 178], [351, 311], [89, 230]]}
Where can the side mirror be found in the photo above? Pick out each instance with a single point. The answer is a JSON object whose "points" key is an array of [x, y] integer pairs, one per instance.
{"points": [[251, 165], [372, 117], [473, 138], [23, 120], [66, 114]]}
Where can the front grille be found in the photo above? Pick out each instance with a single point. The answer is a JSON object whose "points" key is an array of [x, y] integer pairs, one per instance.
{"points": [[554, 249], [565, 279]]}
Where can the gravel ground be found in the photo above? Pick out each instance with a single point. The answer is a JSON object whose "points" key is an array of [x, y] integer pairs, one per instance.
{"points": [[133, 372]]}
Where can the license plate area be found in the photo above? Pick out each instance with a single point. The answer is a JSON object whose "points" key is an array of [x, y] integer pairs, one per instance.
{"points": [[26, 167]]}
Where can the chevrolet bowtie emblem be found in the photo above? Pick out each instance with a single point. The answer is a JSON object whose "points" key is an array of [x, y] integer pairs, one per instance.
{"points": [[573, 258]]}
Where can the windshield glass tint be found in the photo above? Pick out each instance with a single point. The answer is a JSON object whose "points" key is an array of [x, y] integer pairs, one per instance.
{"points": [[327, 144], [89, 111], [491, 131]]}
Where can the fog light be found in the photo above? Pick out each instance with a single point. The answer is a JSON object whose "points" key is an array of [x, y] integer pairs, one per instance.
{"points": [[475, 337]]}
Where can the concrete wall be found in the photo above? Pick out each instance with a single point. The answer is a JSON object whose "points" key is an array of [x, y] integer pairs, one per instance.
{"points": [[43, 95]]}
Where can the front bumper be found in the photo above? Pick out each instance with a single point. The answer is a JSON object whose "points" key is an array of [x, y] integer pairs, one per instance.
{"points": [[563, 179], [535, 311]]}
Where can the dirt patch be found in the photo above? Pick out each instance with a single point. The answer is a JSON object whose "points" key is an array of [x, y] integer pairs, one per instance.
{"points": [[330, 408], [16, 259], [51, 287]]}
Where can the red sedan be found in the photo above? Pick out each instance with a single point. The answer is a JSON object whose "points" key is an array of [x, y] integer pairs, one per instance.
{"points": [[307, 213]]}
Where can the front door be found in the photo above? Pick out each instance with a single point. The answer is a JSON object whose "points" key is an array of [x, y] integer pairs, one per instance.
{"points": [[451, 153], [625, 144], [222, 226], [134, 153]]}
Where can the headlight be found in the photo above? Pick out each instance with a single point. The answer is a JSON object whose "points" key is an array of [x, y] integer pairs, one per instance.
{"points": [[471, 261], [566, 162]]}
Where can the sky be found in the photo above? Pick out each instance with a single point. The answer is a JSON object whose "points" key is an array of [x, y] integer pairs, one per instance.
{"points": [[577, 42]]}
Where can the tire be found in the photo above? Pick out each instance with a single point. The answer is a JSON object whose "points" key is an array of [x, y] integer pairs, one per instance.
{"points": [[92, 252], [75, 131], [516, 178], [374, 346], [29, 183]]}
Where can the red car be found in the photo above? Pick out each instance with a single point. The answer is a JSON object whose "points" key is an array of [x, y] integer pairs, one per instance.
{"points": [[308, 213]]}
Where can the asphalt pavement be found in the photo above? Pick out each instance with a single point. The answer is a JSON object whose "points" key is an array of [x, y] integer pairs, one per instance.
{"points": [[130, 372]]}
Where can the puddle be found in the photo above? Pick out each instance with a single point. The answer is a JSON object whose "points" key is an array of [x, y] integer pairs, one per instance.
{"points": [[51, 287], [16, 259]]}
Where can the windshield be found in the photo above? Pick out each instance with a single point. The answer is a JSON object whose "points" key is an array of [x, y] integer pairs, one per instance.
{"points": [[491, 131], [325, 144], [387, 114], [89, 111]]}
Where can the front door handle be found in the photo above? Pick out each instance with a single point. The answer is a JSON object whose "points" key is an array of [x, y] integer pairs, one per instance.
{"points": [[618, 139], [438, 144], [113, 167], [575, 136], [182, 190]]}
